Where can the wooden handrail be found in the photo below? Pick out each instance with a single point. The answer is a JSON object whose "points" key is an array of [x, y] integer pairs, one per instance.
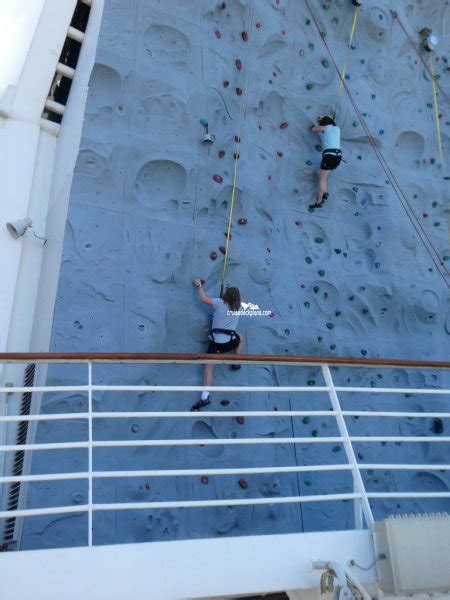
{"points": [[125, 357]]}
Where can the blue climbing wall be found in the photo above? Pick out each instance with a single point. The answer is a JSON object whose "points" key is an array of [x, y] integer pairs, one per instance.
{"points": [[149, 210]]}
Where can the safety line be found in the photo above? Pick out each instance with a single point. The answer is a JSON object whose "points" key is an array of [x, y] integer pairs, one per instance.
{"points": [[236, 161], [398, 190], [395, 15], [352, 33], [436, 110]]}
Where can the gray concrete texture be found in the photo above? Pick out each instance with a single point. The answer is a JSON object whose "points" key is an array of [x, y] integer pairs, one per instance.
{"points": [[150, 204]]}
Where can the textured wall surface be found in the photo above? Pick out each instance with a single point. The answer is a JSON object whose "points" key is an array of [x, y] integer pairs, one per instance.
{"points": [[150, 204]]}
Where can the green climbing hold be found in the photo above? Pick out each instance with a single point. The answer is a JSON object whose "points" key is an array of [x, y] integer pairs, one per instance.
{"points": [[446, 258], [314, 433], [311, 382], [326, 6], [337, 448], [325, 63], [432, 161], [437, 223], [429, 105], [308, 162], [306, 420], [355, 123], [308, 260], [370, 472], [319, 240], [408, 395], [307, 481], [319, 338], [333, 347], [337, 313], [321, 272], [434, 204], [309, 86], [398, 443], [330, 326], [307, 304], [319, 148], [311, 46], [316, 289]]}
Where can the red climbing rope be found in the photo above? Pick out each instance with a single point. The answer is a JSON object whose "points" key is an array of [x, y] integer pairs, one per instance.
{"points": [[434, 254], [444, 95]]}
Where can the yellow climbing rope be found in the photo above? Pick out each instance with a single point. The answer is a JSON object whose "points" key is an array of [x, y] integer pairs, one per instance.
{"points": [[352, 34], [436, 109]]}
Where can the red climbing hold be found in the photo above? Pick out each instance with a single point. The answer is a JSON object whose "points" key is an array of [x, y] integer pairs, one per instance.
{"points": [[223, 249], [218, 34], [283, 125], [274, 74], [244, 36], [259, 125], [147, 486], [280, 154], [205, 480], [269, 177], [239, 91], [237, 139], [283, 32], [275, 408], [242, 221], [238, 65], [240, 420], [226, 83], [243, 484], [258, 25], [217, 178], [272, 314], [224, 402], [269, 250], [221, 153], [213, 255], [302, 285], [425, 215], [298, 222]]}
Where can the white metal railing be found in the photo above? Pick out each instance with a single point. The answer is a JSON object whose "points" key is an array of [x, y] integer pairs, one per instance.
{"points": [[359, 494]]}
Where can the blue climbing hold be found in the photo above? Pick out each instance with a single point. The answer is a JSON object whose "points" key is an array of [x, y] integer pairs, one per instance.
{"points": [[377, 265], [347, 76], [344, 254], [353, 46], [379, 227], [363, 352], [204, 122], [355, 189], [360, 456]]}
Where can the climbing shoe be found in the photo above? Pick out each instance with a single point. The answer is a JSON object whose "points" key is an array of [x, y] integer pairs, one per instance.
{"points": [[235, 367], [197, 407]]}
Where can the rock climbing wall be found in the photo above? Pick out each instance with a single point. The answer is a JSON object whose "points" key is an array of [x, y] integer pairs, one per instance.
{"points": [[149, 211]]}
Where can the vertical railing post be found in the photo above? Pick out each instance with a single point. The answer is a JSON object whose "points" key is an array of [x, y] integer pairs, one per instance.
{"points": [[90, 453], [361, 504]]}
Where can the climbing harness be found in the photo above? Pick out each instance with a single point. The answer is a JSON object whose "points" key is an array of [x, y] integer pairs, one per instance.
{"points": [[433, 253], [229, 332]]}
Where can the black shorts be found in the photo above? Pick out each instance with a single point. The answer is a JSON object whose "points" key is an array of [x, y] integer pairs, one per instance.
{"points": [[214, 348], [330, 161]]}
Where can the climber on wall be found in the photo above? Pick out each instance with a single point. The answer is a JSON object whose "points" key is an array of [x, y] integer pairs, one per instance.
{"points": [[222, 337], [331, 155]]}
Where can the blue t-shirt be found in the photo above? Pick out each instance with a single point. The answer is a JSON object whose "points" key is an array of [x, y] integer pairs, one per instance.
{"points": [[331, 137]]}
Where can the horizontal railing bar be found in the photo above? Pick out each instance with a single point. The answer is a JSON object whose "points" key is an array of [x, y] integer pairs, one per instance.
{"points": [[375, 390], [200, 388], [408, 494], [223, 413], [44, 477], [237, 471], [366, 413], [215, 442], [44, 388], [45, 417], [36, 512], [55, 446], [399, 439], [403, 467], [81, 357], [229, 502]]}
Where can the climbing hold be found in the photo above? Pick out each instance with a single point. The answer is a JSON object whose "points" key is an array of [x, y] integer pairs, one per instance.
{"points": [[363, 352], [237, 139], [236, 156], [360, 456], [227, 235], [283, 32], [306, 304], [224, 402], [221, 153], [319, 338], [306, 420], [272, 314], [311, 382], [258, 25], [307, 481], [319, 148], [333, 347], [432, 161], [369, 471], [308, 162], [218, 34], [243, 484], [298, 223], [226, 83], [316, 289], [311, 46], [239, 91], [309, 86], [135, 428], [238, 65], [147, 486], [434, 204], [222, 249], [329, 325], [325, 63], [280, 154], [269, 250], [437, 223], [269, 177], [217, 178], [355, 123], [321, 272], [337, 313], [260, 126], [242, 221], [240, 420], [425, 215], [308, 260], [429, 105], [213, 256], [336, 448], [438, 426], [284, 125], [377, 265], [353, 47], [355, 189], [314, 433], [244, 36], [204, 480], [337, 250]]}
